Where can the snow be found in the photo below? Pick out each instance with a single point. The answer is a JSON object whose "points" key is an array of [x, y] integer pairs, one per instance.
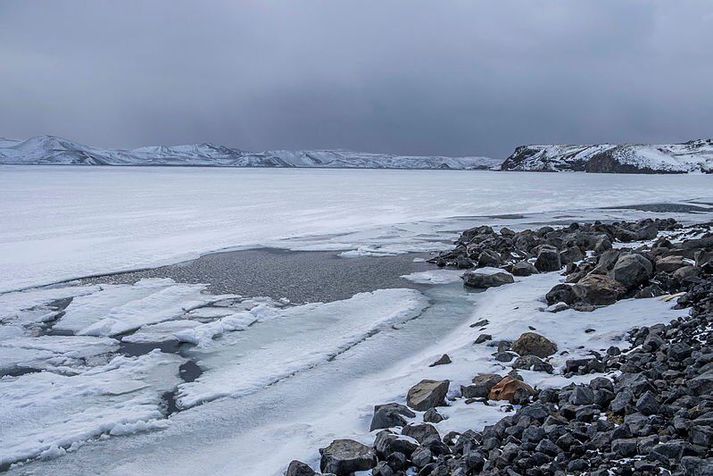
{"points": [[64, 222], [45, 412], [50, 150]]}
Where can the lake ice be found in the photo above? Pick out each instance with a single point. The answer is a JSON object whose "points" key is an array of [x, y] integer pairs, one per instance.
{"points": [[278, 380]]}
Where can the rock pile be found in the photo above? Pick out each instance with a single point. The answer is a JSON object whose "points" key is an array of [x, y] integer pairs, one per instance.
{"points": [[652, 415]]}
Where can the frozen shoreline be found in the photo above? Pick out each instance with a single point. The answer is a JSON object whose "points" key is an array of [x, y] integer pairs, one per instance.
{"points": [[353, 356]]}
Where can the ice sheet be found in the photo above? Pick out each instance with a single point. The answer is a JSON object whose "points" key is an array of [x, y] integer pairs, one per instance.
{"points": [[60, 223], [117, 309], [45, 413], [314, 333]]}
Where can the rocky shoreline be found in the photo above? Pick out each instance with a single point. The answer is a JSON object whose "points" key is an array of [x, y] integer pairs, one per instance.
{"points": [[646, 410]]}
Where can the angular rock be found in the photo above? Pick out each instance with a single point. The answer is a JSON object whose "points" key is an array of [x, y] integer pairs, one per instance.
{"points": [[443, 360], [599, 290], [523, 268], [427, 394], [531, 343], [532, 362], [479, 280], [390, 415], [511, 390], [481, 387], [298, 468], [548, 259], [631, 270], [669, 264], [343, 457], [420, 432]]}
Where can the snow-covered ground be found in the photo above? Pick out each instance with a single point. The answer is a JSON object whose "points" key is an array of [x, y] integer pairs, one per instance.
{"points": [[278, 380], [63, 222]]}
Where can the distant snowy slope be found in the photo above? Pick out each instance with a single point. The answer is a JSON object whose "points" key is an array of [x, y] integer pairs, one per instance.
{"points": [[49, 150], [692, 156]]}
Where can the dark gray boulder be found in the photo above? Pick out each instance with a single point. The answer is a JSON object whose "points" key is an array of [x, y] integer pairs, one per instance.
{"points": [[632, 269], [532, 362], [548, 259], [481, 386], [523, 268], [343, 457], [479, 280], [298, 468], [390, 415], [443, 360]]}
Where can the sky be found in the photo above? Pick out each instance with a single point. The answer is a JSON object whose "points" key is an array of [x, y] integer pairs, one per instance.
{"points": [[449, 77]]}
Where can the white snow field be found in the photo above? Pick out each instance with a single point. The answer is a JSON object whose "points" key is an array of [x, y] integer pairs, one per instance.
{"points": [[60, 223], [278, 381]]}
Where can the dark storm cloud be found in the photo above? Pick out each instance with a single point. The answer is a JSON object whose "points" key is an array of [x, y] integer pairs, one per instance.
{"points": [[449, 77]]}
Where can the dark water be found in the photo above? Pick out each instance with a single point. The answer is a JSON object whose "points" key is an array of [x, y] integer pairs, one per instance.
{"points": [[662, 208], [300, 276]]}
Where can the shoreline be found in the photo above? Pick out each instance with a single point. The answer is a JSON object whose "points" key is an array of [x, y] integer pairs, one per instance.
{"points": [[433, 280], [547, 421]]}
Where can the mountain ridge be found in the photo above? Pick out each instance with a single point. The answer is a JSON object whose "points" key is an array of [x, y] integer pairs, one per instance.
{"points": [[52, 150]]}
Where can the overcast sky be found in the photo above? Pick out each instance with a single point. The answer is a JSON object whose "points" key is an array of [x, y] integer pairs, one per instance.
{"points": [[404, 76]]}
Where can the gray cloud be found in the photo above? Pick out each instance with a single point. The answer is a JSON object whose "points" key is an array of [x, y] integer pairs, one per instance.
{"points": [[409, 76]]}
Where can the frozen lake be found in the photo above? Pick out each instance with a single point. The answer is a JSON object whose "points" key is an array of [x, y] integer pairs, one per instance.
{"points": [[275, 380], [63, 222]]}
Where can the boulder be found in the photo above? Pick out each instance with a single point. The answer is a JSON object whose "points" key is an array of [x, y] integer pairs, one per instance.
{"points": [[390, 415], [427, 394], [489, 258], [532, 362], [523, 268], [598, 289], [420, 432], [443, 360], [432, 416], [548, 259], [669, 264], [686, 273], [512, 390], [564, 293], [298, 468], [479, 280], [531, 343], [571, 255], [344, 457], [632, 269], [481, 387]]}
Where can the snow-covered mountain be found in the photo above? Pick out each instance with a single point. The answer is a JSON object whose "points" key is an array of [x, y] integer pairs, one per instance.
{"points": [[50, 150], [692, 156]]}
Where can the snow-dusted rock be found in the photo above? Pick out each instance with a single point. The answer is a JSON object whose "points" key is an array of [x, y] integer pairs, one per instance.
{"points": [[692, 156]]}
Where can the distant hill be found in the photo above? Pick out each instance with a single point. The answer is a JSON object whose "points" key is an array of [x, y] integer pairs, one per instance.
{"points": [[50, 150], [693, 156]]}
